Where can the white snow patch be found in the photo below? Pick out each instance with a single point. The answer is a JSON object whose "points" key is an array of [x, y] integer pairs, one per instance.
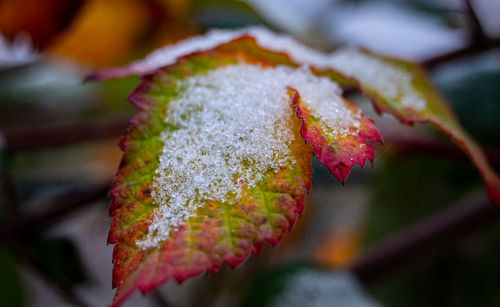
{"points": [[265, 38], [18, 52], [319, 289], [231, 127]]}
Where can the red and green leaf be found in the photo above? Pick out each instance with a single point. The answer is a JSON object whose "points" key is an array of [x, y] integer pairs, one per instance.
{"points": [[219, 232]]}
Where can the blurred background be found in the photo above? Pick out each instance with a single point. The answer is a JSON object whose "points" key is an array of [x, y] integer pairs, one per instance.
{"points": [[414, 230]]}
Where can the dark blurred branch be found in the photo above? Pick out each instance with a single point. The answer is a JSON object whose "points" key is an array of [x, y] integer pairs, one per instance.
{"points": [[477, 34], [7, 186], [55, 134], [442, 230], [57, 207], [407, 145], [471, 49], [478, 41]]}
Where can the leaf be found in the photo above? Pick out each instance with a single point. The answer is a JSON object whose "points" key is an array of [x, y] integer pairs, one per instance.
{"points": [[41, 20], [156, 239], [215, 38], [397, 87], [338, 149], [402, 89], [104, 32]]}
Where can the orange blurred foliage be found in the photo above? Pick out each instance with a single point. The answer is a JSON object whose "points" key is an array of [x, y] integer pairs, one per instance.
{"points": [[41, 19], [338, 248], [104, 32]]}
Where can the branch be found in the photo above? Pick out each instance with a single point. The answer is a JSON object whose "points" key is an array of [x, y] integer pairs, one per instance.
{"points": [[55, 134], [58, 207], [476, 29], [444, 229], [478, 41], [470, 49], [407, 145]]}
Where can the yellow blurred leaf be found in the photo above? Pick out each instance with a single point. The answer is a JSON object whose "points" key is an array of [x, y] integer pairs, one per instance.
{"points": [[104, 32]]}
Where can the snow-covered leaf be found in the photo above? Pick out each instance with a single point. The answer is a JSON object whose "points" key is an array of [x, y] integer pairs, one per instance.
{"points": [[214, 165], [397, 87]]}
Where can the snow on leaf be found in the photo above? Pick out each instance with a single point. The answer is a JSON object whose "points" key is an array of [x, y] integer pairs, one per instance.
{"points": [[402, 89], [214, 165], [337, 143], [212, 39], [395, 86]]}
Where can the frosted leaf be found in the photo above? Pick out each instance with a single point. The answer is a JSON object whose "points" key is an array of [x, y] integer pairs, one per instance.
{"points": [[228, 129], [388, 80], [168, 55], [265, 38]]}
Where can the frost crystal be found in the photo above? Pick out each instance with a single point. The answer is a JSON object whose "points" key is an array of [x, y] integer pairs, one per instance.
{"points": [[228, 129]]}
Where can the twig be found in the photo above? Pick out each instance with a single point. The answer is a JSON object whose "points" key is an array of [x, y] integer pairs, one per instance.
{"points": [[470, 49], [478, 41], [476, 29], [56, 134], [412, 145], [59, 206], [438, 231]]}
